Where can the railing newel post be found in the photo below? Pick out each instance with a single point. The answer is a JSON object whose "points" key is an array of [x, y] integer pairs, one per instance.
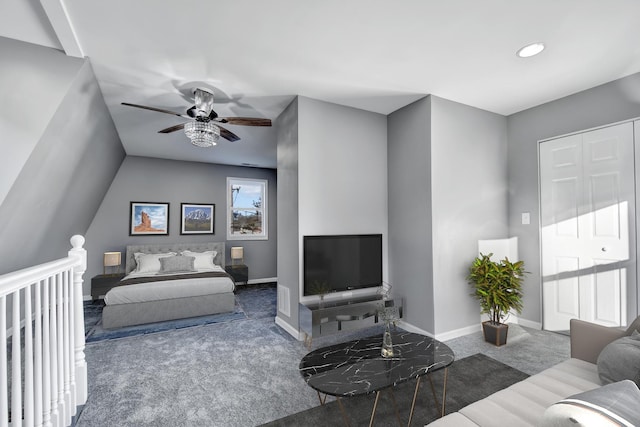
{"points": [[80, 253]]}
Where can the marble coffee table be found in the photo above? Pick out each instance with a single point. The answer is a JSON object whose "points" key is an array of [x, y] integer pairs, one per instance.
{"points": [[356, 368]]}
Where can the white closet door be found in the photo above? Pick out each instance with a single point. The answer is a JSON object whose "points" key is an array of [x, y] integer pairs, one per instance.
{"points": [[587, 201]]}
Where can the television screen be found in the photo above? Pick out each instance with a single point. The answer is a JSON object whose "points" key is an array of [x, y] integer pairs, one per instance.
{"points": [[341, 263]]}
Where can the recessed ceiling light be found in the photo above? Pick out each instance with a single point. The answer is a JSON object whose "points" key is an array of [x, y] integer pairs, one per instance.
{"points": [[530, 50]]}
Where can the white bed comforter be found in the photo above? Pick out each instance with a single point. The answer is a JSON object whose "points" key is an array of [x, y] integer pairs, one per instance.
{"points": [[168, 289]]}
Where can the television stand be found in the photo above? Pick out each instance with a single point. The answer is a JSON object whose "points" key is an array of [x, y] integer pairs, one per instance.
{"points": [[329, 317]]}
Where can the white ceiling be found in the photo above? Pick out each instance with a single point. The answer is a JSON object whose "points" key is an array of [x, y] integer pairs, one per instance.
{"points": [[369, 54]]}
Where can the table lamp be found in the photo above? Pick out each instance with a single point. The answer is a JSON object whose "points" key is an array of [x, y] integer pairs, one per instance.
{"points": [[237, 253], [112, 259]]}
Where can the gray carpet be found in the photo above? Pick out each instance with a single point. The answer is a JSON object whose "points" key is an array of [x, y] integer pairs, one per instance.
{"points": [[470, 379], [528, 350], [238, 373], [242, 372]]}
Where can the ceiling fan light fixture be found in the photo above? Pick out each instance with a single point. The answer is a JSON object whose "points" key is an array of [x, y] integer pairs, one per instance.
{"points": [[201, 133], [530, 50], [204, 101]]}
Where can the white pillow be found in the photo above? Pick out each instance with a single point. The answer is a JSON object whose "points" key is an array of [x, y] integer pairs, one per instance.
{"points": [[149, 263], [204, 260], [615, 405]]}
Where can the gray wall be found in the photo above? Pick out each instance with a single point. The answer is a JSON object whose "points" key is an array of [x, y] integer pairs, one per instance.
{"points": [[33, 81], [469, 199], [143, 179], [609, 103], [341, 183], [61, 184], [342, 176], [447, 190], [288, 233], [410, 220]]}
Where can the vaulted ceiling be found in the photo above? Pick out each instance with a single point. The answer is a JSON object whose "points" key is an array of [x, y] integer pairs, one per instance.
{"points": [[370, 54]]}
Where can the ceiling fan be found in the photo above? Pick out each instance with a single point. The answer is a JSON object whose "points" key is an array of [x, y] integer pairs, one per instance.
{"points": [[204, 128]]}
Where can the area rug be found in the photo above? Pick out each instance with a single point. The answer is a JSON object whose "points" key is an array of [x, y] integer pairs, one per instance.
{"points": [[470, 379], [95, 332]]}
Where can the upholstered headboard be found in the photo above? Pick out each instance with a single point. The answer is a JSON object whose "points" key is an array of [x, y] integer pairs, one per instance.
{"points": [[130, 262]]}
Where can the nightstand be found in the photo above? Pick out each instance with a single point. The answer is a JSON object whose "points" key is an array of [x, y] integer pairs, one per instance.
{"points": [[102, 283], [239, 272]]}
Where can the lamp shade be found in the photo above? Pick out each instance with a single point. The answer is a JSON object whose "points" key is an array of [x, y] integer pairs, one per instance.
{"points": [[237, 252], [111, 259]]}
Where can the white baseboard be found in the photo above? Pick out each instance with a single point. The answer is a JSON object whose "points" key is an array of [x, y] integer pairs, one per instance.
{"points": [[477, 328], [514, 318], [410, 328], [290, 329], [449, 335], [443, 336], [530, 324]]}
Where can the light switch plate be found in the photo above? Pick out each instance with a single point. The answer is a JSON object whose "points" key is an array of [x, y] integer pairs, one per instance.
{"points": [[526, 218]]}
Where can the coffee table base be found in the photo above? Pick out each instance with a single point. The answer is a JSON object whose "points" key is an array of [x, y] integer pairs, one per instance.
{"points": [[433, 391], [393, 399]]}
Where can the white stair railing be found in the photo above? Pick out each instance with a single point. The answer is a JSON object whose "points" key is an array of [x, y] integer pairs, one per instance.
{"points": [[43, 372]]}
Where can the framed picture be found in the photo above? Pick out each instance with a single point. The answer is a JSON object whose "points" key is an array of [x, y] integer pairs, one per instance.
{"points": [[197, 218], [148, 218]]}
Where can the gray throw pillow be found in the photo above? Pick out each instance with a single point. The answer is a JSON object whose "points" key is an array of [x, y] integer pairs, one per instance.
{"points": [[177, 264], [634, 327], [620, 360], [616, 404]]}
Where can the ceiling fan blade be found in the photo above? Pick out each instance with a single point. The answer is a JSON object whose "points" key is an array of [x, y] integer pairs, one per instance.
{"points": [[245, 121], [172, 128], [228, 135], [156, 109]]}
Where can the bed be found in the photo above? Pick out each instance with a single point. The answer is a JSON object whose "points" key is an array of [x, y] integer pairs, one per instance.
{"points": [[158, 287]]}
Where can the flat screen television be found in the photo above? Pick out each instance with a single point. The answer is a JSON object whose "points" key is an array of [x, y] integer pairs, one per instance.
{"points": [[341, 263]]}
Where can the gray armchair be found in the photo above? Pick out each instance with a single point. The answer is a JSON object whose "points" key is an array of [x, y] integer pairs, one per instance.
{"points": [[588, 339]]}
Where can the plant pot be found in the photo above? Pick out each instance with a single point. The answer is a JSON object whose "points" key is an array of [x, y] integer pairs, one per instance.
{"points": [[495, 333]]}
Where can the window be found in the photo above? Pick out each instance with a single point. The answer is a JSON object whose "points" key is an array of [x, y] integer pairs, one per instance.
{"points": [[247, 209]]}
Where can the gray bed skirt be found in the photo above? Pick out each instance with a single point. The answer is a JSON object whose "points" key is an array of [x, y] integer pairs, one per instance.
{"points": [[119, 315]]}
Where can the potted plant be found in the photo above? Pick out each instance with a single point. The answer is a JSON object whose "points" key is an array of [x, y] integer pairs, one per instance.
{"points": [[498, 287], [320, 288]]}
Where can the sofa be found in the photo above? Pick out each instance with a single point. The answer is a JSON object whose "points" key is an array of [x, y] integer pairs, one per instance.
{"points": [[564, 394]]}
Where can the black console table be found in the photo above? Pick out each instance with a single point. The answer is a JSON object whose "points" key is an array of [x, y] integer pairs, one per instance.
{"points": [[328, 317]]}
